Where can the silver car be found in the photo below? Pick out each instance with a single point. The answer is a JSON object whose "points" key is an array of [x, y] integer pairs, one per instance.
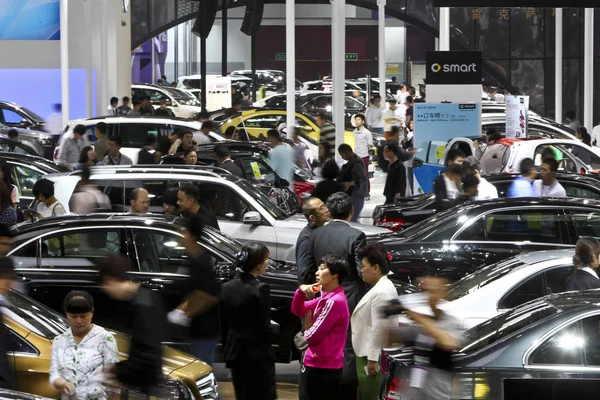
{"points": [[244, 212]]}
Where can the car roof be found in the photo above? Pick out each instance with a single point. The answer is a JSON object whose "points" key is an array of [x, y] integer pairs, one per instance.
{"points": [[526, 201], [535, 257], [138, 118], [206, 170], [574, 300], [26, 158], [560, 176]]}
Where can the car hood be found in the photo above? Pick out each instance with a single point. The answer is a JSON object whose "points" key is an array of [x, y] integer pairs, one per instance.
{"points": [[299, 221], [172, 359]]}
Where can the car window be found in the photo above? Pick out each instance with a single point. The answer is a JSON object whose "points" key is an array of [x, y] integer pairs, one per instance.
{"points": [[11, 117], [473, 232], [135, 135], [556, 278], [322, 102], [79, 249], [111, 130], [352, 104], [463, 146], [580, 191], [256, 171], [587, 223], [531, 289], [156, 189], [566, 162], [563, 348], [305, 126], [25, 177], [12, 147], [114, 189], [502, 187], [19, 345], [534, 225], [276, 102], [155, 96], [590, 328], [34, 316], [263, 122]]}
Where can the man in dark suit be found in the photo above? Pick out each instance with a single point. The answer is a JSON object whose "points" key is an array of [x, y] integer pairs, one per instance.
{"points": [[339, 238], [223, 160], [7, 278], [188, 200], [317, 215]]}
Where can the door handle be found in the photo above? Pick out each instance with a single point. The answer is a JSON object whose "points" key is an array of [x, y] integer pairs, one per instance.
{"points": [[152, 285], [481, 253], [23, 278]]}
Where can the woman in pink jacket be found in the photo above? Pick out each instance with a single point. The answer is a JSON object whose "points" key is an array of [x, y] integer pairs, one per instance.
{"points": [[326, 320]]}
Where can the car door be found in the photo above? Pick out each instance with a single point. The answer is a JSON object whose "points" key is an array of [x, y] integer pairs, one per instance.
{"points": [[161, 263], [580, 190], [500, 234], [566, 363], [55, 263]]}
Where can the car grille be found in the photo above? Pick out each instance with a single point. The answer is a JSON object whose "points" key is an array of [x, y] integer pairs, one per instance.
{"points": [[208, 387]]}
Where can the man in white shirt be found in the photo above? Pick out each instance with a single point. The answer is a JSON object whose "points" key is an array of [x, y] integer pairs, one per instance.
{"points": [[374, 115], [363, 142], [393, 115], [485, 190], [402, 94], [112, 108], [548, 186]]}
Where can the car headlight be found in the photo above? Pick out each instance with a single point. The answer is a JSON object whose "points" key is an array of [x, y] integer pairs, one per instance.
{"points": [[208, 387]]}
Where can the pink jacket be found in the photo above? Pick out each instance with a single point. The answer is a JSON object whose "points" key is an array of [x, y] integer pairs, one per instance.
{"points": [[327, 337]]}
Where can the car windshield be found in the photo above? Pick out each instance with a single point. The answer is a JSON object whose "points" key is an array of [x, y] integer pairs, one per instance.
{"points": [[263, 200], [34, 316], [482, 277], [178, 94], [505, 324]]}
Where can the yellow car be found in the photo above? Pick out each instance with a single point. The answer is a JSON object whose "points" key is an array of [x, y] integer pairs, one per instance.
{"points": [[32, 326], [257, 122]]}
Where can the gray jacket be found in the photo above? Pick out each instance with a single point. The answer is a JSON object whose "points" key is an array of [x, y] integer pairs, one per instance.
{"points": [[71, 150]]}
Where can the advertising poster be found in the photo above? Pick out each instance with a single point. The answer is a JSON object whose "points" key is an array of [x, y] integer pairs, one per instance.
{"points": [[435, 126], [517, 109], [218, 93]]}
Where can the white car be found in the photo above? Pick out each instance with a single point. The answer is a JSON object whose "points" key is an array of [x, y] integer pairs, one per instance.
{"points": [[499, 287], [506, 155], [133, 130], [183, 103], [243, 211]]}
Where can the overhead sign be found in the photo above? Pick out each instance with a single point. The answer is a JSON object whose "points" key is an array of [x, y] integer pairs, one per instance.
{"points": [[517, 3], [435, 126], [453, 67], [351, 56], [517, 109], [280, 57], [391, 69]]}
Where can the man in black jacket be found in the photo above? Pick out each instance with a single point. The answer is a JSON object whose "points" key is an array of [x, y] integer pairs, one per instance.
{"points": [[143, 369], [447, 185], [395, 183], [317, 215], [7, 278], [223, 160], [188, 201], [339, 238]]}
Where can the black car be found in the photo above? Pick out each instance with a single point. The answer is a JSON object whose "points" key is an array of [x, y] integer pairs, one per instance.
{"points": [[26, 170], [459, 241], [56, 255], [16, 116], [546, 349], [409, 211]]}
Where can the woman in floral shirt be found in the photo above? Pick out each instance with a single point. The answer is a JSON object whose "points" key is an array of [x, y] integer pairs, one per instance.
{"points": [[80, 355]]}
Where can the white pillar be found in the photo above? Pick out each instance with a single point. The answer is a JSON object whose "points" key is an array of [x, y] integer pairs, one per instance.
{"points": [[338, 69], [153, 57], [381, 56], [290, 64], [558, 72], [102, 73], [118, 36], [64, 59], [444, 29], [588, 70], [88, 62]]}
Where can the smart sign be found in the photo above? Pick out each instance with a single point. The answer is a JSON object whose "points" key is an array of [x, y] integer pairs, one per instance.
{"points": [[453, 67]]}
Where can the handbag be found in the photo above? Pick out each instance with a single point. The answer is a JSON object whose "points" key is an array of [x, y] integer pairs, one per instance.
{"points": [[300, 341]]}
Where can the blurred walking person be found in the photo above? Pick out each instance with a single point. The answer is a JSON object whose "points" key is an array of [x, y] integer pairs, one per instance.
{"points": [[80, 355], [145, 323], [87, 198], [522, 186], [200, 309], [247, 332], [363, 140], [355, 179], [326, 321], [7, 279], [395, 182], [367, 323], [281, 157], [328, 185]]}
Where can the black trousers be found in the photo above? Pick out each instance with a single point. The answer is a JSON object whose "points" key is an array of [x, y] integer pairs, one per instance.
{"points": [[253, 380], [320, 383]]}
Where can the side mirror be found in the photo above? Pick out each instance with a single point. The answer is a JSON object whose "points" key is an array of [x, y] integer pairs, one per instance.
{"points": [[252, 218], [307, 128], [225, 271], [25, 123]]}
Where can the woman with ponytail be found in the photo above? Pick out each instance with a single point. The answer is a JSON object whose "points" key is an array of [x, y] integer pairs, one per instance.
{"points": [[586, 259], [246, 308]]}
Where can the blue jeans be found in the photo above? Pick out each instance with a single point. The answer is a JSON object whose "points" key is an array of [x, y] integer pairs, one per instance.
{"points": [[357, 203], [204, 349]]}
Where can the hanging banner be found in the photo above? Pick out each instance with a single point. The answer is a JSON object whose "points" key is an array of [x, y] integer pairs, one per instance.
{"points": [[218, 93], [435, 126], [517, 110]]}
